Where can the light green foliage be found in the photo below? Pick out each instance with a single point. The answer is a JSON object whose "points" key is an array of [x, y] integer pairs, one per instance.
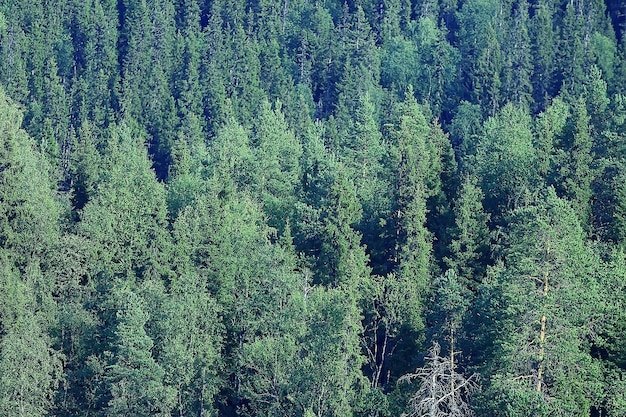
{"points": [[425, 61], [190, 344], [451, 302], [31, 368], [29, 213], [362, 154], [136, 380], [597, 102], [126, 217], [277, 154], [543, 316], [549, 128], [612, 304], [257, 292], [417, 174], [506, 161], [329, 368], [605, 53], [231, 155], [276, 207]]}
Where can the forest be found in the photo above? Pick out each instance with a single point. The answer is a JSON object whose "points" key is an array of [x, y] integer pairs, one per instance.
{"points": [[313, 208]]}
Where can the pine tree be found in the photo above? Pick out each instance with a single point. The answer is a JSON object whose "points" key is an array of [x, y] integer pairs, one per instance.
{"points": [[570, 61], [136, 380], [30, 214], [480, 45], [190, 344], [548, 294], [31, 368], [328, 371], [576, 173], [549, 127], [125, 220], [469, 250], [543, 40], [518, 66], [414, 175], [97, 88], [343, 261], [465, 130], [277, 154], [442, 389]]}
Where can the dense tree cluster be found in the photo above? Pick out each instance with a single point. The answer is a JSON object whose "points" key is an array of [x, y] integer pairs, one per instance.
{"points": [[312, 208]]}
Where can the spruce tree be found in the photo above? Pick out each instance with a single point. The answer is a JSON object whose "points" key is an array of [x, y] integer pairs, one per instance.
{"points": [[136, 380]]}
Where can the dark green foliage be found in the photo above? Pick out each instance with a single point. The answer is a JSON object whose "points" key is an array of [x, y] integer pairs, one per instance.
{"points": [[285, 207], [542, 33], [469, 249], [478, 38]]}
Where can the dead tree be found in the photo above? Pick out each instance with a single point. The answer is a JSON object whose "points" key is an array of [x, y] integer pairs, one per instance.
{"points": [[443, 392]]}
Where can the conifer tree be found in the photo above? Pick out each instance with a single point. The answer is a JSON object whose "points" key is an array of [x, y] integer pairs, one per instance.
{"points": [[505, 159], [543, 53], [31, 368], [479, 43], [277, 153], [469, 250], [125, 219], [549, 295], [444, 391], [190, 343], [549, 127], [576, 172], [29, 214], [136, 380], [518, 68], [97, 89], [343, 261], [571, 61]]}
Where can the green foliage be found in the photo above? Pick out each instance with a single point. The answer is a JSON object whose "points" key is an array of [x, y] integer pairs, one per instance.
{"points": [[329, 368], [277, 154], [575, 172], [29, 217], [469, 248], [541, 351], [136, 380], [279, 208], [190, 344], [506, 159], [542, 32], [31, 368], [518, 66], [126, 217], [478, 38]]}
